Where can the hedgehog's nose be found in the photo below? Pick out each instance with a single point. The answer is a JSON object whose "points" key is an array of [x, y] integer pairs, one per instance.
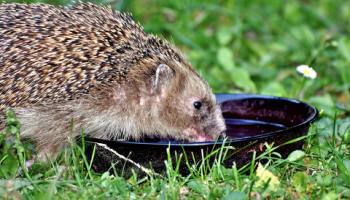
{"points": [[222, 135]]}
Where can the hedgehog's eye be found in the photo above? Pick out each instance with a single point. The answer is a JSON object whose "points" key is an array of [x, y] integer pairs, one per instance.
{"points": [[197, 105]]}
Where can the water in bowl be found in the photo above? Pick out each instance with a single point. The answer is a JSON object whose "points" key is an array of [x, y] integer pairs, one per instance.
{"points": [[240, 128]]}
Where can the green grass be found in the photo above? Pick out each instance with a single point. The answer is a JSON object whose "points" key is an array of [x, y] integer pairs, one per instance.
{"points": [[238, 46]]}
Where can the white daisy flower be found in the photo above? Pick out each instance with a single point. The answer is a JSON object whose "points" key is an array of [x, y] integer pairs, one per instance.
{"points": [[307, 71]]}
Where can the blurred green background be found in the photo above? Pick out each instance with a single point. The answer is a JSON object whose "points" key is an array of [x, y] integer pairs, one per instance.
{"points": [[255, 46]]}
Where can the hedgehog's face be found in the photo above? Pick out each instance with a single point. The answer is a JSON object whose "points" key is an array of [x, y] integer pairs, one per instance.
{"points": [[187, 108], [194, 114]]}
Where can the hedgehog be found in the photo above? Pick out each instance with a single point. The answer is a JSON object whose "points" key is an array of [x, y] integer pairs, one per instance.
{"points": [[90, 69]]}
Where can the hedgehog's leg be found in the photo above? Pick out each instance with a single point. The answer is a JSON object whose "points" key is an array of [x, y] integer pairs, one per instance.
{"points": [[50, 128], [47, 145], [48, 152]]}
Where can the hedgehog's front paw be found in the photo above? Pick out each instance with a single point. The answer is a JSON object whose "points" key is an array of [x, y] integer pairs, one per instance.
{"points": [[29, 163], [47, 153]]}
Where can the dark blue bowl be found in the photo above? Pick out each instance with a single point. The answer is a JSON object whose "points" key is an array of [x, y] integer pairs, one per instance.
{"points": [[251, 120]]}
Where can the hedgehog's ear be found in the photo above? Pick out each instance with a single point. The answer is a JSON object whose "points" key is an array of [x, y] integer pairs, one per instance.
{"points": [[161, 78]]}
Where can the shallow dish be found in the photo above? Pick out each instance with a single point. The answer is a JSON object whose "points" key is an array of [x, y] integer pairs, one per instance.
{"points": [[252, 120]]}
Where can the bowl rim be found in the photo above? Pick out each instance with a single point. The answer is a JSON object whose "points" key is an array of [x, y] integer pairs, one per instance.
{"points": [[225, 97]]}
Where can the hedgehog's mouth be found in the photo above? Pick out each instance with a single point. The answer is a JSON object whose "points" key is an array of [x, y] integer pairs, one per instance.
{"points": [[195, 135], [203, 137]]}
